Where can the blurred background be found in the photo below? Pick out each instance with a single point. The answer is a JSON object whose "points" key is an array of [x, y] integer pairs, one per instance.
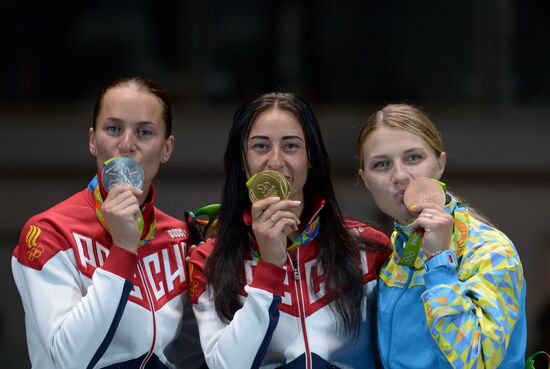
{"points": [[481, 69]]}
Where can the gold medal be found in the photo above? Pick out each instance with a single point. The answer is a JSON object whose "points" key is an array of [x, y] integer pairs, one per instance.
{"points": [[268, 183]]}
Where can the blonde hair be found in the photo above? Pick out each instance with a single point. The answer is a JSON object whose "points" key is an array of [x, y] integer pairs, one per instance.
{"points": [[414, 120], [401, 116]]}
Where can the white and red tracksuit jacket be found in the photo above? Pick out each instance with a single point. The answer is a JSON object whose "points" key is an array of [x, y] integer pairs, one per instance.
{"points": [[286, 320], [89, 304]]}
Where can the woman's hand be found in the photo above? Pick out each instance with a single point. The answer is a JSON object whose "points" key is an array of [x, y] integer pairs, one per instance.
{"points": [[435, 226], [121, 211], [272, 221], [192, 248]]}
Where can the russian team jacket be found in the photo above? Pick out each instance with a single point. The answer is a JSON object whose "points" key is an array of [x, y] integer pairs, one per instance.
{"points": [[286, 320], [89, 304]]}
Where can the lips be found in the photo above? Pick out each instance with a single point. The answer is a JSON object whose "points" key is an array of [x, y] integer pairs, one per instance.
{"points": [[399, 195]]}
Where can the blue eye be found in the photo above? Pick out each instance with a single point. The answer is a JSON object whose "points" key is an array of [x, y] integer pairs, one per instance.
{"points": [[144, 133], [380, 165], [112, 129], [414, 157]]}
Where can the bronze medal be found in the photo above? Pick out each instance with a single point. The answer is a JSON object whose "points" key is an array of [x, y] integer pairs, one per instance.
{"points": [[268, 183], [420, 190], [423, 190]]}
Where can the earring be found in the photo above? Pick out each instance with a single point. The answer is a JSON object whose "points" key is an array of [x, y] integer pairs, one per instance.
{"points": [[92, 151], [163, 159]]}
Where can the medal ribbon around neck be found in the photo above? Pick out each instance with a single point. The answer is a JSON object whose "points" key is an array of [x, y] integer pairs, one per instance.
{"points": [[94, 187], [414, 243], [311, 231]]}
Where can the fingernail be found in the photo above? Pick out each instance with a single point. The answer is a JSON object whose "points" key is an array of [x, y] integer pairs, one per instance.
{"points": [[412, 207], [297, 202]]}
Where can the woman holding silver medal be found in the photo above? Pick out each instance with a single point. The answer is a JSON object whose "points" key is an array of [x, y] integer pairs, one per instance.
{"points": [[102, 275], [452, 294], [287, 281]]}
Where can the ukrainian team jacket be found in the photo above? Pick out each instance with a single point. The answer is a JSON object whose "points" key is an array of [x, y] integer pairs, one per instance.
{"points": [[471, 317], [89, 304], [286, 319]]}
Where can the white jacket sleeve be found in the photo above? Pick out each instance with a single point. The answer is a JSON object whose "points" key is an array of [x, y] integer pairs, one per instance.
{"points": [[241, 343], [72, 326]]}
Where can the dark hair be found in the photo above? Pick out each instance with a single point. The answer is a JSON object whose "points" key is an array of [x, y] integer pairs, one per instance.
{"points": [[140, 84], [338, 249]]}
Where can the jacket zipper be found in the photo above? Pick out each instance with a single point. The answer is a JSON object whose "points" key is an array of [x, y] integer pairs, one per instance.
{"points": [[153, 314], [295, 269], [301, 309], [409, 280]]}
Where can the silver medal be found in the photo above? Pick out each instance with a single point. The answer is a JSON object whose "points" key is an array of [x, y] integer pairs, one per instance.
{"points": [[122, 170]]}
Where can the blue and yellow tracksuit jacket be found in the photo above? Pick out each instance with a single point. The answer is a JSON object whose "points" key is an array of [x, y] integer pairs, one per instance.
{"points": [[471, 317]]}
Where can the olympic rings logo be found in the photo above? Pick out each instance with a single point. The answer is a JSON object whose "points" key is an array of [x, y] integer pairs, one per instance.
{"points": [[35, 252]]}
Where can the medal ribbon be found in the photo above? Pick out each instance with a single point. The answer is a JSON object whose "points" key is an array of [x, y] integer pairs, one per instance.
{"points": [[95, 188], [402, 234], [411, 250], [414, 244], [306, 236]]}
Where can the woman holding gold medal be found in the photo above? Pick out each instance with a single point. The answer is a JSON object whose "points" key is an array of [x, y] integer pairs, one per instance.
{"points": [[452, 294], [287, 281], [102, 275]]}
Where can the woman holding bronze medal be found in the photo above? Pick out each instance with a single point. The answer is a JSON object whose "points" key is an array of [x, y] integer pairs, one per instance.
{"points": [[287, 281], [102, 275], [452, 294]]}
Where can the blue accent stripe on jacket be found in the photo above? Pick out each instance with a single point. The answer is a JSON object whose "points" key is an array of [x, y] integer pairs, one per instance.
{"points": [[273, 320], [114, 325]]}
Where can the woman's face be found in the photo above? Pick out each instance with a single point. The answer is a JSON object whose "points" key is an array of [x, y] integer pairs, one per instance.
{"points": [[392, 158], [130, 124], [276, 141]]}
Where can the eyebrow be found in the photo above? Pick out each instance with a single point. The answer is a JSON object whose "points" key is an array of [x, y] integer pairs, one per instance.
{"points": [[414, 149], [113, 119], [284, 138], [383, 156], [118, 120], [376, 157]]}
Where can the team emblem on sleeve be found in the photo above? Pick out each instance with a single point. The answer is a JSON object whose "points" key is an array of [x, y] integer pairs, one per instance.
{"points": [[34, 250]]}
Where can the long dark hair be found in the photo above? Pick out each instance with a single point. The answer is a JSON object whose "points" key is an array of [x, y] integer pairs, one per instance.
{"points": [[140, 84], [338, 249]]}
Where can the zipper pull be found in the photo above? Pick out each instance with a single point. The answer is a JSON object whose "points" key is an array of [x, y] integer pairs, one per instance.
{"points": [[295, 269]]}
